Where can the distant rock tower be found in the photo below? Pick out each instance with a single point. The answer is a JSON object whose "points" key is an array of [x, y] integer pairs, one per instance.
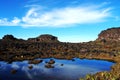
{"points": [[9, 37], [112, 34], [44, 38]]}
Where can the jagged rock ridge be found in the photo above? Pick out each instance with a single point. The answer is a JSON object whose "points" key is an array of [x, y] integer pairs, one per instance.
{"points": [[112, 34]]}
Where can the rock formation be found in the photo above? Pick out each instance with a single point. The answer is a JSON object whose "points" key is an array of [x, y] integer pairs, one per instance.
{"points": [[44, 38], [112, 34], [9, 37]]}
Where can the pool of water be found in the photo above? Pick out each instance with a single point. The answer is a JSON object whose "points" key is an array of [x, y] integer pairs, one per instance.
{"points": [[63, 69]]}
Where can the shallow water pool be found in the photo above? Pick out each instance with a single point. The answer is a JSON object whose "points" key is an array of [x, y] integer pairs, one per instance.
{"points": [[63, 69]]}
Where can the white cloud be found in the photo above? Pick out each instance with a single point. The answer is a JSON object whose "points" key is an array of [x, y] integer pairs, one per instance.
{"points": [[65, 16], [60, 17], [16, 20], [5, 22]]}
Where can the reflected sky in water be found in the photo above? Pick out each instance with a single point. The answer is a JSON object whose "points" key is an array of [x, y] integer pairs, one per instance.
{"points": [[71, 70]]}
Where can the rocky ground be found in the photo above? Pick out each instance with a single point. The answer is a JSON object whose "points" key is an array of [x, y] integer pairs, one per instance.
{"points": [[106, 47]]}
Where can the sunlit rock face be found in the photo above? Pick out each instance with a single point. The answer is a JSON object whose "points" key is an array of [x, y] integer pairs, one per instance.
{"points": [[44, 38], [112, 34]]}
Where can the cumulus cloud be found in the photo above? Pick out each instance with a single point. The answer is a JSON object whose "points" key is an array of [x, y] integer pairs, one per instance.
{"points": [[59, 17]]}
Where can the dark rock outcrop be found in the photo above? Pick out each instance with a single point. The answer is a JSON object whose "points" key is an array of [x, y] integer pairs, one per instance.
{"points": [[112, 34], [44, 38], [9, 37]]}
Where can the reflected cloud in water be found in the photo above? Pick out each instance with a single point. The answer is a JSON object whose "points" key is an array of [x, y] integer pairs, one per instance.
{"points": [[71, 70]]}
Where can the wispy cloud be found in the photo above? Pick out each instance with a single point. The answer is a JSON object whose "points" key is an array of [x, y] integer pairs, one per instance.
{"points": [[59, 17]]}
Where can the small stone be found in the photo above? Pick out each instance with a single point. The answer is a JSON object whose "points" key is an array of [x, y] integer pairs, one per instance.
{"points": [[51, 61], [13, 71], [62, 64], [35, 61], [30, 67], [49, 66]]}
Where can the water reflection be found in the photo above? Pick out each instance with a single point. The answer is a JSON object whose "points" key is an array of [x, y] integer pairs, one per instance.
{"points": [[70, 70]]}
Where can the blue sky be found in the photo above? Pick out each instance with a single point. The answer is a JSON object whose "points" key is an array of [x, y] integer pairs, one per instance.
{"points": [[69, 20]]}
